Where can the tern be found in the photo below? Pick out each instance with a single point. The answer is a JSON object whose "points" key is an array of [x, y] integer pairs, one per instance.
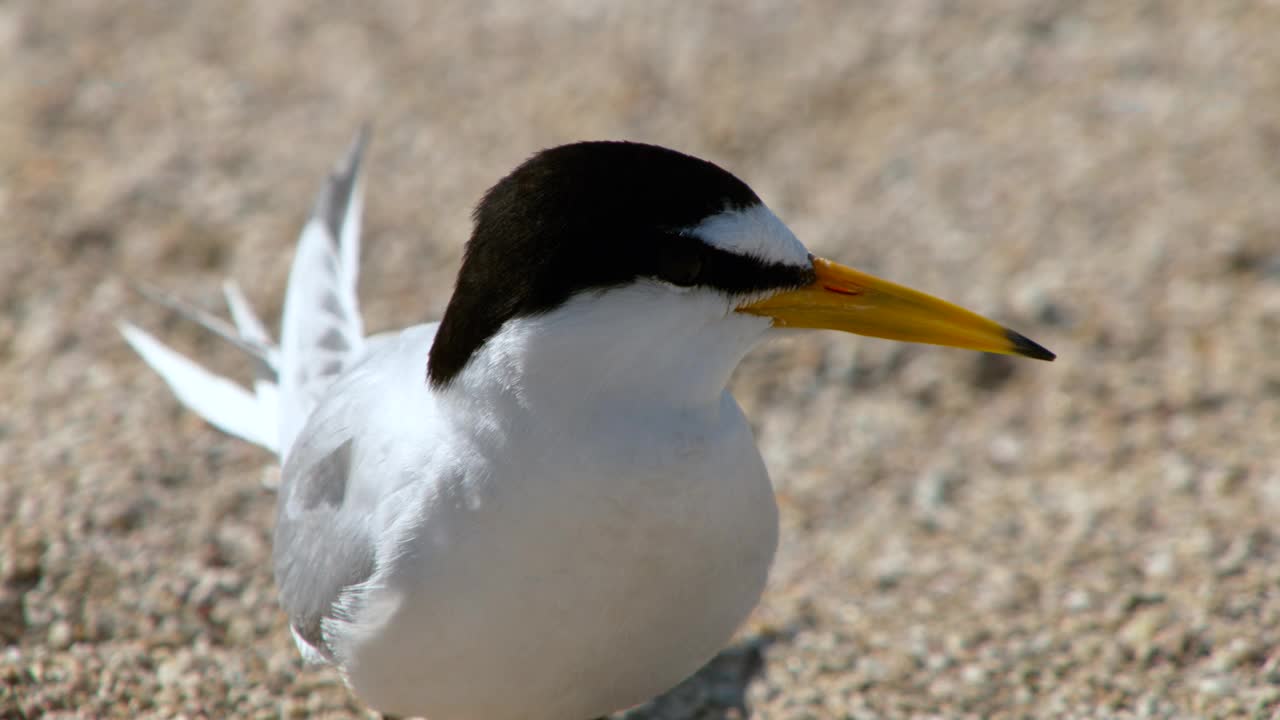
{"points": [[546, 505]]}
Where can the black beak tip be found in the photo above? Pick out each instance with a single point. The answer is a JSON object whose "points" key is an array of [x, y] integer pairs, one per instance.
{"points": [[1026, 347]]}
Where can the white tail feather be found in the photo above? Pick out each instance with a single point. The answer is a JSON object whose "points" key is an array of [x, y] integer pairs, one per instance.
{"points": [[221, 402], [252, 329], [321, 334], [242, 314]]}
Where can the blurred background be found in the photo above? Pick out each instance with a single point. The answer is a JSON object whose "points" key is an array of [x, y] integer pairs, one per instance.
{"points": [[964, 535]]}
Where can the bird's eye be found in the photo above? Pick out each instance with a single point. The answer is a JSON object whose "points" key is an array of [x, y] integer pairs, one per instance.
{"points": [[679, 263]]}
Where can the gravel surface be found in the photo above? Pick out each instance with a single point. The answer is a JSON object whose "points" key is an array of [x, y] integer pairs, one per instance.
{"points": [[964, 535]]}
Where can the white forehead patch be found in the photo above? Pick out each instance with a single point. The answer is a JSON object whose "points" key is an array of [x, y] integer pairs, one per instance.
{"points": [[755, 232]]}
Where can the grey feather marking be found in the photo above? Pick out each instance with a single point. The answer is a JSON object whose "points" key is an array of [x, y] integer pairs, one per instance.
{"points": [[320, 549], [331, 368], [332, 204], [332, 305], [331, 262], [327, 482], [334, 340]]}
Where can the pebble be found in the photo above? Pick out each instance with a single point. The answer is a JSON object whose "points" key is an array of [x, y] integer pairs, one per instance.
{"points": [[1216, 685], [1077, 600], [60, 635], [975, 675], [1005, 450]]}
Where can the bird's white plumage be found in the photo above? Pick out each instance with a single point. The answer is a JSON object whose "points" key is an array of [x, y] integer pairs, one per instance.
{"points": [[221, 402], [314, 341], [251, 329], [755, 232], [574, 523], [534, 537]]}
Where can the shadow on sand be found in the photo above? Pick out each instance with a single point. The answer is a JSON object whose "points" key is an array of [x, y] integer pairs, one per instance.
{"points": [[716, 692]]}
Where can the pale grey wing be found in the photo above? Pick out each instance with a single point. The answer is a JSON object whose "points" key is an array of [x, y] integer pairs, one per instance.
{"points": [[335, 482], [323, 543]]}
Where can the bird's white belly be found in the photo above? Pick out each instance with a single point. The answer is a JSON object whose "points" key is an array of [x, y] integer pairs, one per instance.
{"points": [[571, 597]]}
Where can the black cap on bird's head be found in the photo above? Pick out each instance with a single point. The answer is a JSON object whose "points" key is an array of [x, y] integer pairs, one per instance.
{"points": [[591, 216], [599, 215]]}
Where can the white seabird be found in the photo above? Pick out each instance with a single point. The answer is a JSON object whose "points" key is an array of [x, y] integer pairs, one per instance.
{"points": [[547, 505]]}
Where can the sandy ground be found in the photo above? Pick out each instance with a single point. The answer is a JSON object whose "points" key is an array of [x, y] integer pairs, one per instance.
{"points": [[964, 536]]}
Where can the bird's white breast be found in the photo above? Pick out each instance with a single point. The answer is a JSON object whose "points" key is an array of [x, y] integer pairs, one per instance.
{"points": [[557, 565]]}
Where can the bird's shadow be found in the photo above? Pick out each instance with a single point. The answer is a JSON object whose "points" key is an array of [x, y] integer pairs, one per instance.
{"points": [[716, 692]]}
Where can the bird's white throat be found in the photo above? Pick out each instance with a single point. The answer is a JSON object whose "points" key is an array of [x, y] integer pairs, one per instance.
{"points": [[643, 346]]}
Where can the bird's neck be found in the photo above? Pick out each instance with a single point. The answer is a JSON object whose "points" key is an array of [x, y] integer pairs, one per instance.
{"points": [[632, 350]]}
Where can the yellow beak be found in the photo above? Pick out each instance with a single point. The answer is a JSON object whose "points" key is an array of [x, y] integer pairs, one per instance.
{"points": [[842, 298]]}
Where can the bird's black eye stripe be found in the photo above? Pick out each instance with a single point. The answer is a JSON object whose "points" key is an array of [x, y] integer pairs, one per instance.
{"points": [[687, 261], [740, 275], [679, 261]]}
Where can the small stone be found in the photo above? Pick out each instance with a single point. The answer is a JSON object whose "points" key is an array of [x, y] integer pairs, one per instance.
{"points": [[1077, 600], [61, 634], [1216, 685], [1238, 651], [1148, 706], [872, 670], [891, 567], [1159, 564], [121, 515], [1237, 554], [1222, 482], [1179, 475], [974, 675], [1005, 450], [1138, 635], [171, 671], [934, 491], [937, 662]]}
